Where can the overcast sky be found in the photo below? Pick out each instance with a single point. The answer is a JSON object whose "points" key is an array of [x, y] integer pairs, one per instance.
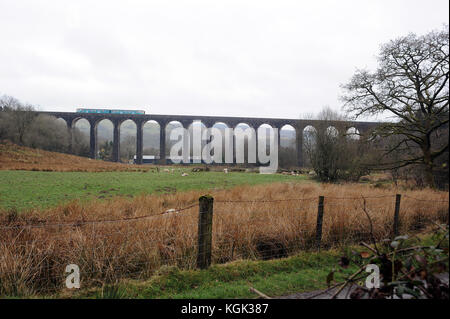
{"points": [[231, 58]]}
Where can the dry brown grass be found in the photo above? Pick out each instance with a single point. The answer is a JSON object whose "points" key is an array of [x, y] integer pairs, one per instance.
{"points": [[34, 258], [15, 157]]}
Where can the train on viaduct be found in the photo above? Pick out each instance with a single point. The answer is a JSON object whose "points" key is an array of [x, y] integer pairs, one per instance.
{"points": [[117, 117]]}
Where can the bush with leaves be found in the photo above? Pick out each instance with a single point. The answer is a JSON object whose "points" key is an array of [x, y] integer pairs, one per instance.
{"points": [[408, 269]]}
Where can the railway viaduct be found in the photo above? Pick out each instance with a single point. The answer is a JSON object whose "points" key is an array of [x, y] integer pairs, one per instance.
{"points": [[163, 120]]}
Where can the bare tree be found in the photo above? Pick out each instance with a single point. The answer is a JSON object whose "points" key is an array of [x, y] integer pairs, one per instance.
{"points": [[411, 85], [47, 133], [8, 103], [332, 153], [16, 118], [80, 142], [22, 125]]}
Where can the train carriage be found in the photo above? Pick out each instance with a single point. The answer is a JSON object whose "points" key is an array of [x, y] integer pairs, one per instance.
{"points": [[110, 111]]}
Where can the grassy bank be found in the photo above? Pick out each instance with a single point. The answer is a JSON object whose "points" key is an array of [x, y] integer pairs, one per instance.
{"points": [[306, 271]]}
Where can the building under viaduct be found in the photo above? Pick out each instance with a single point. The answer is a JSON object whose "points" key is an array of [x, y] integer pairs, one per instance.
{"points": [[185, 120]]}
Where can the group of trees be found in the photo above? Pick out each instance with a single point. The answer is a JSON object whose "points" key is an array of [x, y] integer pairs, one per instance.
{"points": [[21, 125], [334, 152], [410, 91]]}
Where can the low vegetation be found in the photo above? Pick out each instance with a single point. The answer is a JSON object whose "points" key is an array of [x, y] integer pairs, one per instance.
{"points": [[303, 273], [408, 267], [300, 273], [133, 238]]}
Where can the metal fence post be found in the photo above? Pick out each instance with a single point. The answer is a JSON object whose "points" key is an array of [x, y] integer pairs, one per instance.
{"points": [[319, 222], [398, 197], [205, 218]]}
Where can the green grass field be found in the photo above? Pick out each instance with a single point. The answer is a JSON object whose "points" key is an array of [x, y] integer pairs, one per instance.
{"points": [[29, 189]]}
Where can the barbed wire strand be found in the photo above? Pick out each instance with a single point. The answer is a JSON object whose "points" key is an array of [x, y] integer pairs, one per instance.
{"points": [[90, 222]]}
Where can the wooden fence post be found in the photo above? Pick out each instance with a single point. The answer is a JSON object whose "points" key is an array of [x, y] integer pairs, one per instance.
{"points": [[398, 197], [319, 222], [205, 218]]}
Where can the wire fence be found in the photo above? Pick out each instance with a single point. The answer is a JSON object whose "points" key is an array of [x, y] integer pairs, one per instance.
{"points": [[35, 253]]}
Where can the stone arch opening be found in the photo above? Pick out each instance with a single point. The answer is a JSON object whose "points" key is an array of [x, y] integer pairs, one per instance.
{"points": [[309, 142], [288, 136], [196, 142], [165, 149], [61, 135], [244, 143], [332, 131], [151, 131], [127, 141], [353, 134], [287, 148], [221, 125], [261, 130], [104, 130], [227, 142], [81, 137], [61, 121]]}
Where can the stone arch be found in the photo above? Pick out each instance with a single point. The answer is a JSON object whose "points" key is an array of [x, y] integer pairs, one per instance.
{"points": [[227, 141], [259, 134], [244, 124], [353, 133], [104, 136], [127, 119], [104, 122], [287, 146], [164, 140], [75, 120], [264, 125], [169, 125], [196, 130], [61, 120], [332, 131], [221, 124], [289, 138], [308, 143], [244, 141], [81, 131], [127, 140], [308, 133], [151, 138]]}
